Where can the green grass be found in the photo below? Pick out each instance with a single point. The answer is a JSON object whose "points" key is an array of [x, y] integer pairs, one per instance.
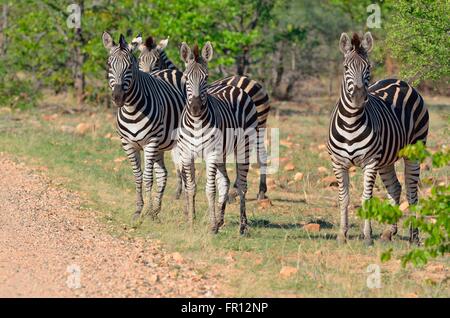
{"points": [[247, 266]]}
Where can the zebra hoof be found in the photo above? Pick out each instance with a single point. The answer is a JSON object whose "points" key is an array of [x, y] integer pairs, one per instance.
{"points": [[232, 194], [261, 196], [244, 231], [414, 241], [136, 219], [368, 242], [386, 236], [342, 239], [214, 229], [220, 224], [178, 195]]}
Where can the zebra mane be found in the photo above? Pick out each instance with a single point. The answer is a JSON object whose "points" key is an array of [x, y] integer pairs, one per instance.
{"points": [[356, 43], [149, 43], [196, 54]]}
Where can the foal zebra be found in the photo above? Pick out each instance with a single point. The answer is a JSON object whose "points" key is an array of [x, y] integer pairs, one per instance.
{"points": [[214, 125], [148, 112], [154, 58], [368, 127]]}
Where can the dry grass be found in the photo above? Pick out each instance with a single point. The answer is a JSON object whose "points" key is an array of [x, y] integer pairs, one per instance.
{"points": [[92, 163]]}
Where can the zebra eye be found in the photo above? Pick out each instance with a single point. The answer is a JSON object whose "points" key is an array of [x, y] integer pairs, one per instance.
{"points": [[346, 67]]}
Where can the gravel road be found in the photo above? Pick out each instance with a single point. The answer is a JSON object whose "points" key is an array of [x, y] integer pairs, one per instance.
{"points": [[50, 247]]}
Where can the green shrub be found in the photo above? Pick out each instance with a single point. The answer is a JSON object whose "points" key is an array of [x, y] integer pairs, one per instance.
{"points": [[430, 215]]}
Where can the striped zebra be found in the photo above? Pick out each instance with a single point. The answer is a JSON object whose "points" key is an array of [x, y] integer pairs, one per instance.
{"points": [[148, 113], [154, 58], [214, 125], [368, 127]]}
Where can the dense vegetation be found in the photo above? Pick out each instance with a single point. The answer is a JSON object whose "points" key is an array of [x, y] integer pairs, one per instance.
{"points": [[282, 43]]}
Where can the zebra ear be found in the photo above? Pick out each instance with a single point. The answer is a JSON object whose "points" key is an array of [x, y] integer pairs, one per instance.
{"points": [[207, 52], [367, 42], [163, 43], [185, 52], [135, 43], [122, 42], [108, 41], [345, 44]]}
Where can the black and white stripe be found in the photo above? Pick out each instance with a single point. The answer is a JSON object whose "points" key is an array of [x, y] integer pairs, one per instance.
{"points": [[148, 113], [155, 59], [212, 127], [368, 127]]}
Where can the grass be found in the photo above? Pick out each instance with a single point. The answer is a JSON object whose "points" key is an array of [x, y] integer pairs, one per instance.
{"points": [[92, 165]]}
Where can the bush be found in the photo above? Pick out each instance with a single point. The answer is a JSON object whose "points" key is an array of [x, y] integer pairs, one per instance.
{"points": [[430, 215]]}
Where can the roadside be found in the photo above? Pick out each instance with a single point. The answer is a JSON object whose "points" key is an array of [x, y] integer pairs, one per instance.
{"points": [[50, 245]]}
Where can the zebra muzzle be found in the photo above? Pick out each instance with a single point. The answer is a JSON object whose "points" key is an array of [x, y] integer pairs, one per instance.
{"points": [[118, 95]]}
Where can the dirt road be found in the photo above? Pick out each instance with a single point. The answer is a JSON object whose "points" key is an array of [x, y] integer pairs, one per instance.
{"points": [[50, 247]]}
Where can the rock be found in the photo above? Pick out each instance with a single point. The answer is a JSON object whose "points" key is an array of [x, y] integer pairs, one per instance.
{"points": [[49, 117], [5, 110], [177, 258], [288, 271], [289, 166], [298, 176], [120, 159], [322, 147], [153, 278], [115, 138], [264, 204], [312, 227], [322, 170], [286, 143], [67, 129], [330, 181], [404, 206], [82, 128]]}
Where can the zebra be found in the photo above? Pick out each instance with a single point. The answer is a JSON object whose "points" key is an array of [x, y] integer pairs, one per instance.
{"points": [[154, 58], [148, 112], [214, 125], [368, 127]]}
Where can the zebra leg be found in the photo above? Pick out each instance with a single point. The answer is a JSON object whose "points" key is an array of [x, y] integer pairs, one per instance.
{"points": [[179, 187], [242, 172], [134, 156], [210, 189], [233, 191], [150, 155], [175, 159], [342, 178], [223, 185], [394, 189], [412, 173], [262, 162], [188, 174], [161, 181], [370, 175]]}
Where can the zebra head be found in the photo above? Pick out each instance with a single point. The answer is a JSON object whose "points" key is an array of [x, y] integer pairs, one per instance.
{"points": [[120, 67], [196, 75], [356, 66], [150, 53]]}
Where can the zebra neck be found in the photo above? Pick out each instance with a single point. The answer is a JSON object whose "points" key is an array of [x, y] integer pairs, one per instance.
{"points": [[132, 100], [205, 120], [166, 63]]}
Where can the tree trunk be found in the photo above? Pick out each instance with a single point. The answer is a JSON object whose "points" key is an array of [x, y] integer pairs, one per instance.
{"points": [[242, 62], [79, 59], [3, 27]]}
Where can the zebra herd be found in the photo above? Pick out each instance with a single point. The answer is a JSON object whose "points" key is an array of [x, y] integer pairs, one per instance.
{"points": [[161, 108]]}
